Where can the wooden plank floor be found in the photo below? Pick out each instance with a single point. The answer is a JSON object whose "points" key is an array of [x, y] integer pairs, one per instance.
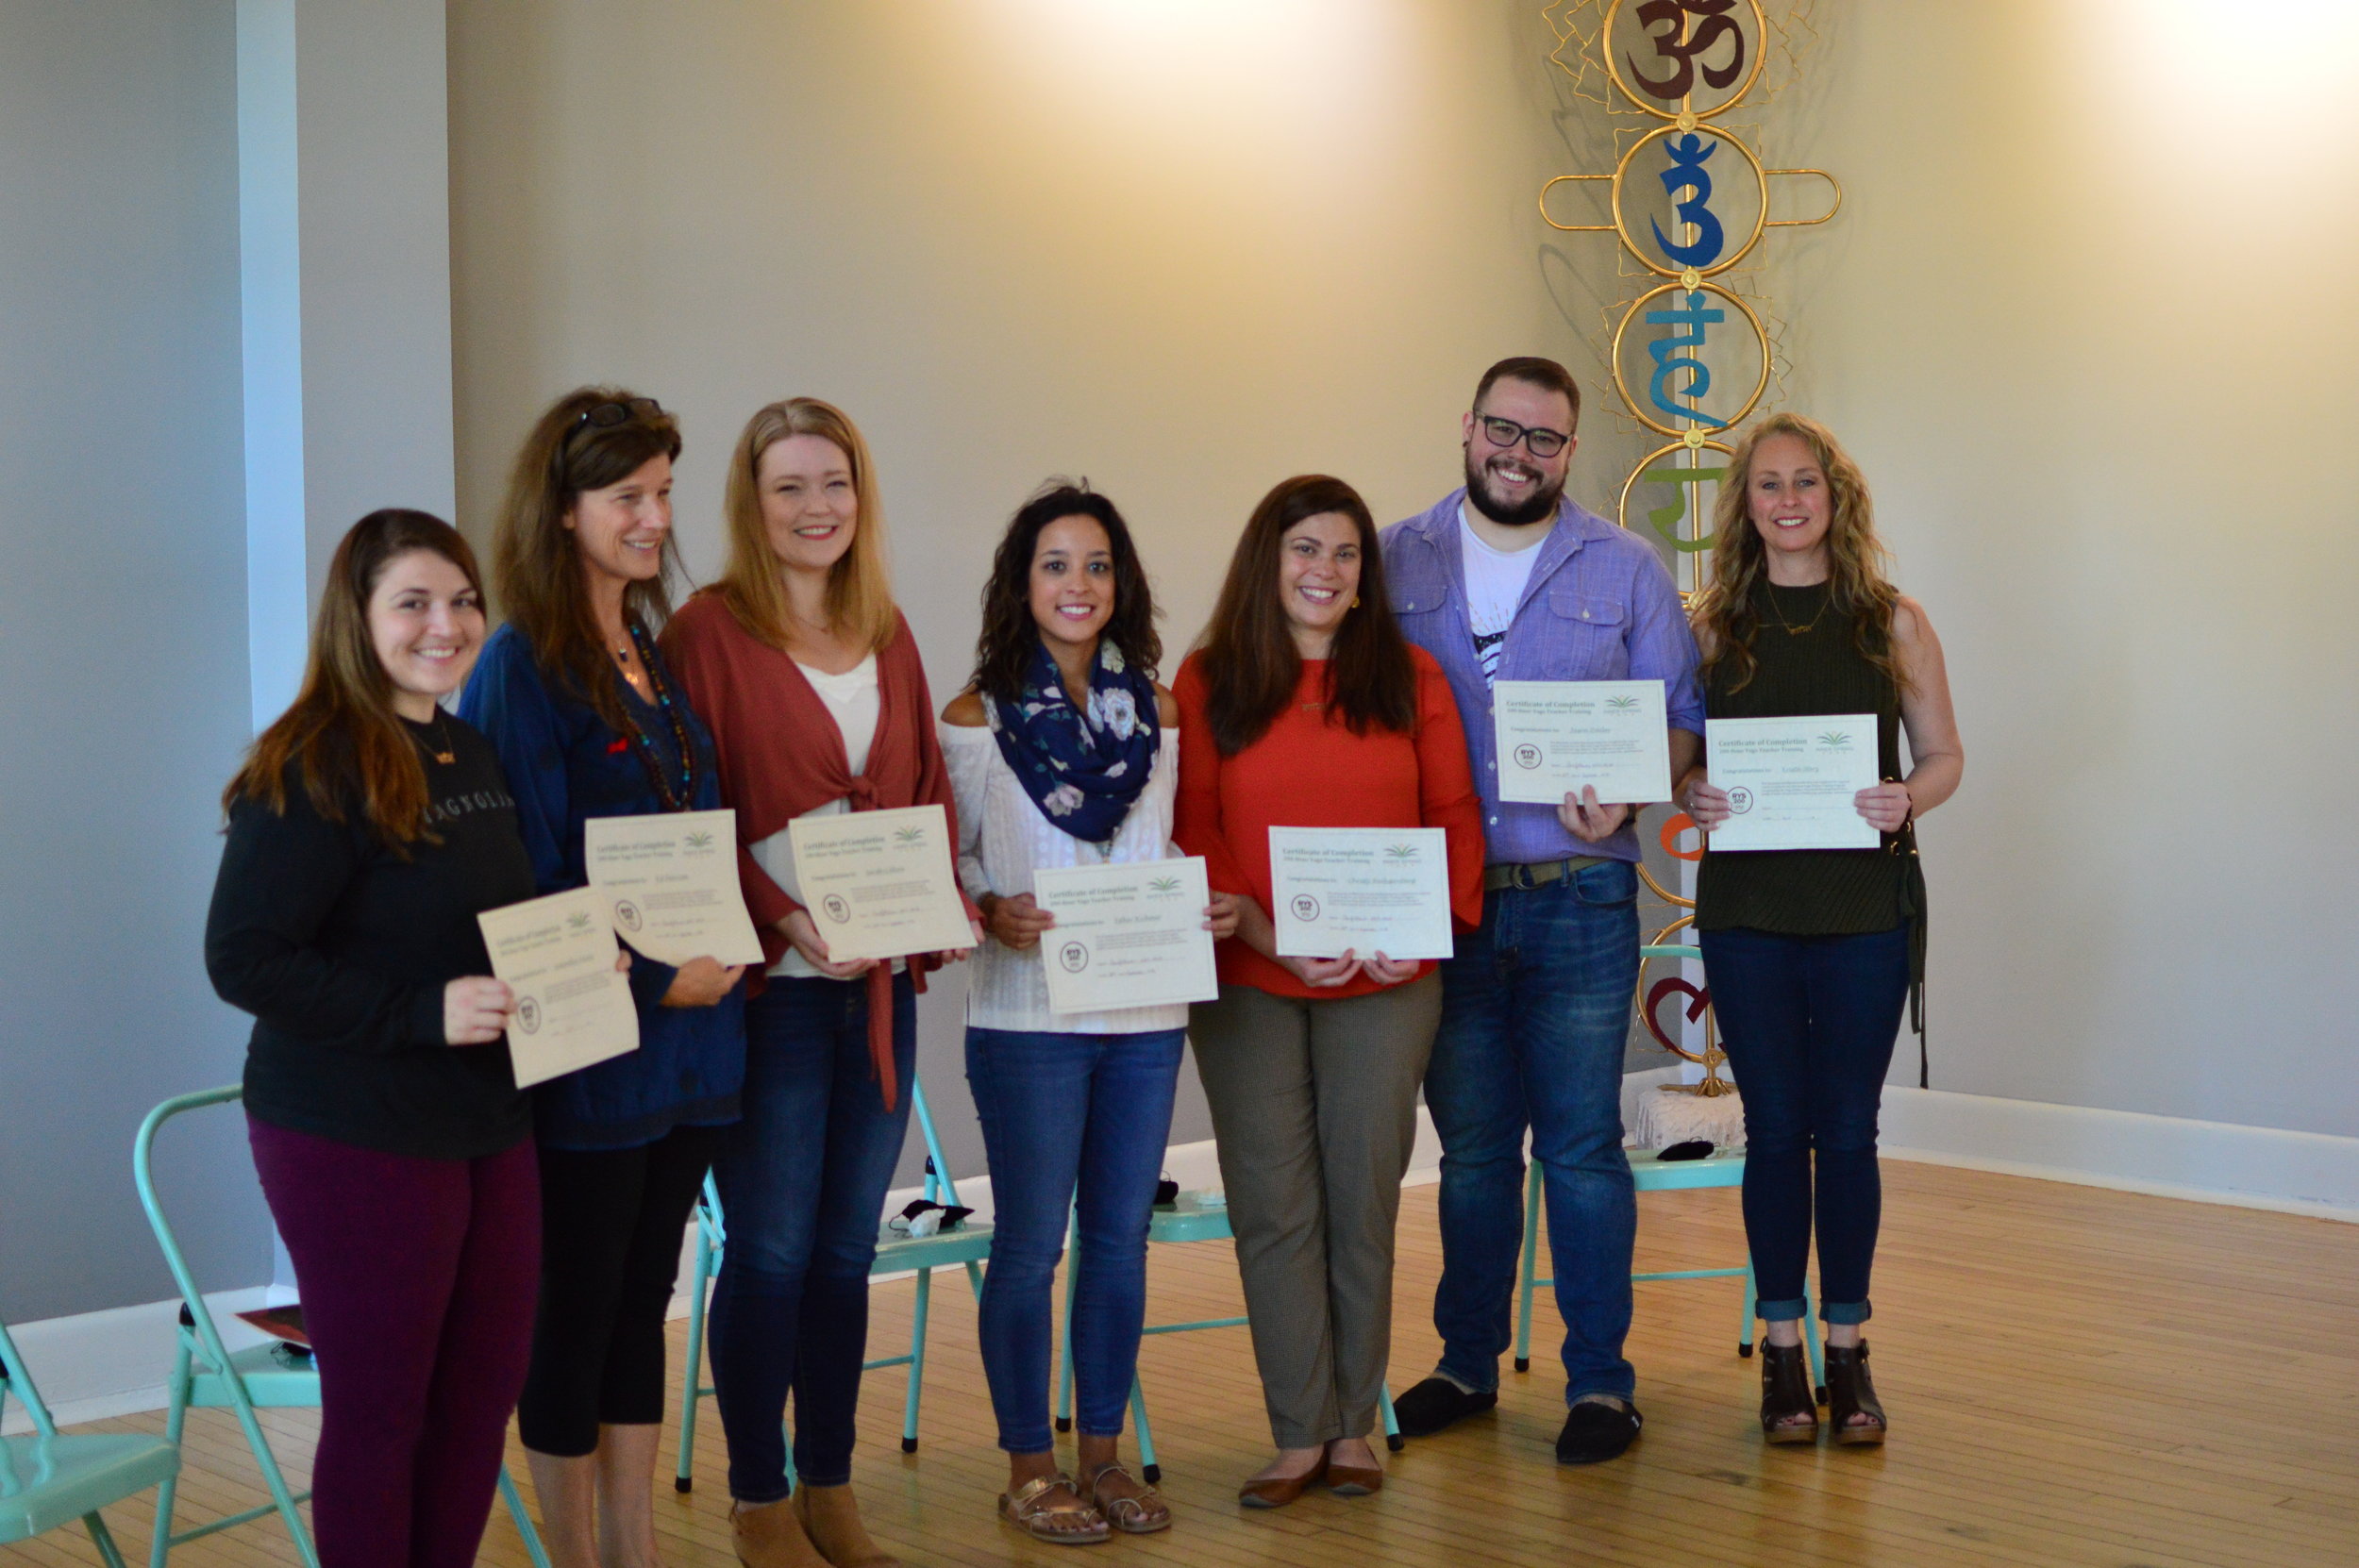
{"points": [[2076, 1376]]}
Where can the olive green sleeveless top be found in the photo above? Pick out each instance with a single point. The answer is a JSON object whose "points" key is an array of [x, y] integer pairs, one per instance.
{"points": [[1815, 668]]}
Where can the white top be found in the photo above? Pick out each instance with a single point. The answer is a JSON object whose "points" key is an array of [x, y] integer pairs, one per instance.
{"points": [[1003, 838], [1495, 580], [853, 703]]}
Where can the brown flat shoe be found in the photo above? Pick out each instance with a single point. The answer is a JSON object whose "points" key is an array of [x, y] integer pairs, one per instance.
{"points": [[1075, 1523], [1850, 1392], [1354, 1481], [1789, 1408], [1278, 1491]]}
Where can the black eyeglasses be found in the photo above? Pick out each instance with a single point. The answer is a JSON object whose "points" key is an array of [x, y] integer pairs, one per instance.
{"points": [[1506, 432], [605, 416]]}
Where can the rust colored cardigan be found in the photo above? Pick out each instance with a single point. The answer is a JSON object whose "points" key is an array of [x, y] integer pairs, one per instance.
{"points": [[780, 756]]}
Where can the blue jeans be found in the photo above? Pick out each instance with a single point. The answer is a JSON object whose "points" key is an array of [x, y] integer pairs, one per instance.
{"points": [[803, 1181], [1061, 1111], [1535, 1011], [1808, 1024]]}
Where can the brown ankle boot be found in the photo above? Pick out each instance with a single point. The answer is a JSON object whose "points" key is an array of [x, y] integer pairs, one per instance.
{"points": [[1789, 1410], [1850, 1392], [831, 1519], [768, 1535]]}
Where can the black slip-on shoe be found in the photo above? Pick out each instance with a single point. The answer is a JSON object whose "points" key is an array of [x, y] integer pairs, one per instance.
{"points": [[1594, 1433], [1435, 1403]]}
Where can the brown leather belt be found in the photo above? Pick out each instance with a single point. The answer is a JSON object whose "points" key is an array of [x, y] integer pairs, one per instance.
{"points": [[1538, 875]]}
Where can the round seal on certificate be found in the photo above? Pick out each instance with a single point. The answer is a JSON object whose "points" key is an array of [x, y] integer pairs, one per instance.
{"points": [[1740, 800], [1527, 756], [628, 914], [838, 910], [528, 1015], [1074, 955], [1306, 907]]}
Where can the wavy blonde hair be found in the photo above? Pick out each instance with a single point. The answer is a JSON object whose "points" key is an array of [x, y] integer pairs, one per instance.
{"points": [[1723, 615], [860, 587]]}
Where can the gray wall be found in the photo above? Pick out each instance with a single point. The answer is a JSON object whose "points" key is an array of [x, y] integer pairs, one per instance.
{"points": [[122, 637], [1183, 250]]}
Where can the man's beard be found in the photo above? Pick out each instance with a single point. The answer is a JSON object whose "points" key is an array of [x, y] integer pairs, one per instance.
{"points": [[1538, 508]]}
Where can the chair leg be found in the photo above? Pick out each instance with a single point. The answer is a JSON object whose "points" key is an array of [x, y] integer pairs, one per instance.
{"points": [[103, 1538], [272, 1476], [1744, 1316], [1393, 1440], [1527, 1270], [176, 1422], [1817, 1358], [682, 1478], [524, 1528], [1064, 1333], [917, 1361], [1148, 1467]]}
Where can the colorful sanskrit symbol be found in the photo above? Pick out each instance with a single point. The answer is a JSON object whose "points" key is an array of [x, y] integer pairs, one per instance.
{"points": [[1665, 21]]}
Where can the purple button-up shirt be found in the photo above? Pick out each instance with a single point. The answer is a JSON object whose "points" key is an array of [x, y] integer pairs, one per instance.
{"points": [[1601, 605]]}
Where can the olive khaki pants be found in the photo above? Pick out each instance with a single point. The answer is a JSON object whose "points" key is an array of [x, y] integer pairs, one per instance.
{"points": [[1314, 1107]]}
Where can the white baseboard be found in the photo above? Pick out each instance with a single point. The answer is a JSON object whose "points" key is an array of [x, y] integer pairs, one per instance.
{"points": [[94, 1365], [2294, 1173], [102, 1364]]}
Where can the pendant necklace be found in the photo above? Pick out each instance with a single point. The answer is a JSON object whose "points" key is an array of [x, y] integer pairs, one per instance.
{"points": [[1791, 629], [446, 753]]}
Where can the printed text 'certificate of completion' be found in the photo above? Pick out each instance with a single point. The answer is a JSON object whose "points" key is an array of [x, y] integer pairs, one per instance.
{"points": [[878, 884], [573, 1006], [1127, 936], [1555, 737], [1790, 781], [1371, 889], [670, 879]]}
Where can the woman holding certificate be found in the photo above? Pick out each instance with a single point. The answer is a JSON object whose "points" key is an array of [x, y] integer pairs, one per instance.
{"points": [[1065, 753], [590, 724], [819, 706], [1306, 710], [1811, 952], [367, 830]]}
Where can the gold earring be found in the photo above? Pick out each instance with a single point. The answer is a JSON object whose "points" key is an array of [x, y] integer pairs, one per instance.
{"points": [[1355, 601]]}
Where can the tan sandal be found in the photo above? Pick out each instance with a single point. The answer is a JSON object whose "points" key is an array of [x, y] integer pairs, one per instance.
{"points": [[1142, 1515], [1072, 1524]]}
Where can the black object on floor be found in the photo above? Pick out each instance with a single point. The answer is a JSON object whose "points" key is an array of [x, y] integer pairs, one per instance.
{"points": [[1437, 1403], [1594, 1433], [1695, 1148]]}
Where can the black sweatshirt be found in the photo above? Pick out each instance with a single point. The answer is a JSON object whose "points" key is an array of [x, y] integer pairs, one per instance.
{"points": [[340, 949]]}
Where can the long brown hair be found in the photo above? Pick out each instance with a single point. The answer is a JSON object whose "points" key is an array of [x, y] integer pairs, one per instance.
{"points": [[342, 737], [860, 587], [535, 556], [1249, 656], [1725, 616]]}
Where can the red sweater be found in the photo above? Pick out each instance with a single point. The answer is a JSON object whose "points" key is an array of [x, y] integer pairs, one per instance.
{"points": [[1307, 771]]}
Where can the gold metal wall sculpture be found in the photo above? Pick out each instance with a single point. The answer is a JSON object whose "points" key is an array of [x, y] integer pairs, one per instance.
{"points": [[1689, 354]]}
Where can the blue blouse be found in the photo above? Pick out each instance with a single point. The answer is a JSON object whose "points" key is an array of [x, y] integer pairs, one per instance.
{"points": [[565, 765]]}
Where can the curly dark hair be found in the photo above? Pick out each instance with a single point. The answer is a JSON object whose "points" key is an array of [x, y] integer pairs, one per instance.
{"points": [[1003, 654]]}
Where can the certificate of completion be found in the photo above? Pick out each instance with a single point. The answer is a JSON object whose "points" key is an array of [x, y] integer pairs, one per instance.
{"points": [[1127, 936], [573, 1006], [1371, 889], [878, 884], [1555, 737], [670, 881], [1790, 781]]}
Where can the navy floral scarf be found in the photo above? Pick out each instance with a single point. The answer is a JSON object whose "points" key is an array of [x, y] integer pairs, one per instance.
{"points": [[1082, 770]]}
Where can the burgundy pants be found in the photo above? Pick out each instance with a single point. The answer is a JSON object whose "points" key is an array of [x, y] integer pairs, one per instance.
{"points": [[418, 1279]]}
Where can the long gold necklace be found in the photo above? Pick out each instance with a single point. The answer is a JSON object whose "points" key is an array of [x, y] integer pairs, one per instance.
{"points": [[1791, 629]]}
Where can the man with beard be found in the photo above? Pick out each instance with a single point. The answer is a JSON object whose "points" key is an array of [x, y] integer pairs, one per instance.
{"points": [[1508, 580]]}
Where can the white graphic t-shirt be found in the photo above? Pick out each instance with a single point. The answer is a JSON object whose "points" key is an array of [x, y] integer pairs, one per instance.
{"points": [[1495, 586]]}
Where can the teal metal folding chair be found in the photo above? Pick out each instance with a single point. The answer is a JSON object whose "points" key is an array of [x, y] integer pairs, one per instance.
{"points": [[207, 1375], [897, 1252], [1190, 1217], [49, 1479], [1656, 1176]]}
